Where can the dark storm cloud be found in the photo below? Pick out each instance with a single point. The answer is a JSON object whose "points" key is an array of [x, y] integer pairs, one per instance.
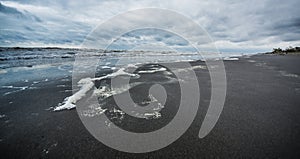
{"points": [[255, 24]]}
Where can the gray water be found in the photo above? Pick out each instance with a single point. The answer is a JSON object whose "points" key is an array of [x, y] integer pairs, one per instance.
{"points": [[22, 65]]}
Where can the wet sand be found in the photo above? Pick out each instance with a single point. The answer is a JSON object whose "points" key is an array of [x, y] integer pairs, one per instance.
{"points": [[260, 118]]}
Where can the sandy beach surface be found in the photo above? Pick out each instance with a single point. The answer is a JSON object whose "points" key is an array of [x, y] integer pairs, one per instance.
{"points": [[260, 118]]}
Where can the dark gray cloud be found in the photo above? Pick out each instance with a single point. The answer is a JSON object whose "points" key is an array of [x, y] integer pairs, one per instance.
{"points": [[149, 36], [234, 25], [25, 28]]}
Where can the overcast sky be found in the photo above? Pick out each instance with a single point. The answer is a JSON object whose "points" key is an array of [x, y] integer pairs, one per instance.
{"points": [[235, 26]]}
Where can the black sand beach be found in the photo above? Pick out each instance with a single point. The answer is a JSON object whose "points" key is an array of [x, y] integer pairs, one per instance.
{"points": [[260, 118]]}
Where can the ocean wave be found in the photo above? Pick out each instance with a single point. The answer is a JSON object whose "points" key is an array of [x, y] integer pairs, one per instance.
{"points": [[16, 89]]}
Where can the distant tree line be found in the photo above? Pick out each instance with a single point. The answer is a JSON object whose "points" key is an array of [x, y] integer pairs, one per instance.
{"points": [[289, 49]]}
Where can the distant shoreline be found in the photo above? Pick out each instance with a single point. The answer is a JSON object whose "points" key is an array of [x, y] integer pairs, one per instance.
{"points": [[288, 50]]}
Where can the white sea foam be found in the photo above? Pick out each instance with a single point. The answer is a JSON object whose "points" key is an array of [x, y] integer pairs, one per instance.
{"points": [[230, 58], [284, 73], [69, 102], [131, 66], [3, 71], [105, 67], [155, 112], [154, 115], [190, 68], [35, 67], [117, 111], [93, 111], [16, 89], [86, 84], [108, 123], [153, 70], [120, 72], [199, 67], [104, 92]]}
